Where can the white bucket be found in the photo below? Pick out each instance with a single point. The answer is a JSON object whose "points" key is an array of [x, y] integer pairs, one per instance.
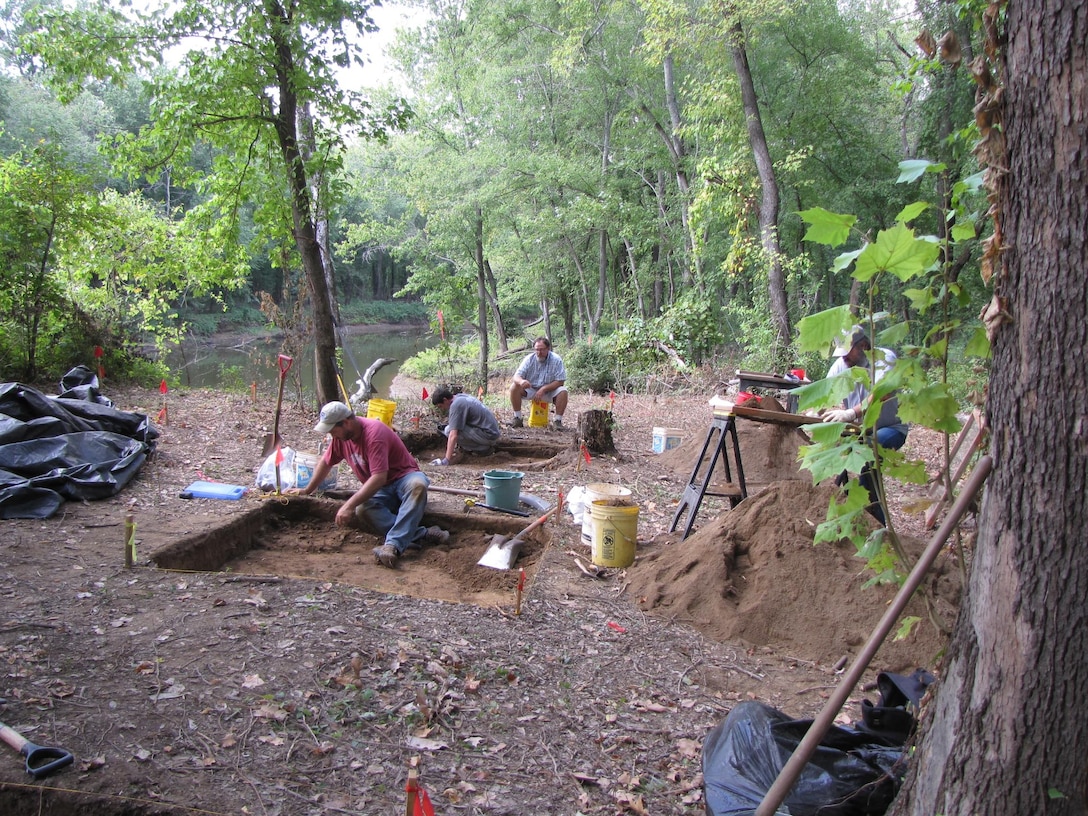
{"points": [[305, 463], [596, 492], [665, 439]]}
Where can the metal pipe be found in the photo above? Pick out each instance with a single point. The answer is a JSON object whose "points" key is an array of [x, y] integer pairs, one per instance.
{"points": [[787, 777]]}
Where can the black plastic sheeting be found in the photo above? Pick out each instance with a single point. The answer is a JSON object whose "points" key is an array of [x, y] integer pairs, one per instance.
{"points": [[75, 446], [852, 773]]}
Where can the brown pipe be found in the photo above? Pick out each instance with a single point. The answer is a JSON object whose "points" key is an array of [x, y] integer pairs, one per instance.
{"points": [[787, 777]]}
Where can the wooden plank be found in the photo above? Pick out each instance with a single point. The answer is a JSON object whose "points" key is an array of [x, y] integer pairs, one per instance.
{"points": [[774, 417]]}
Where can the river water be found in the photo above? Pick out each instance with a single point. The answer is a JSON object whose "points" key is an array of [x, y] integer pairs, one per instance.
{"points": [[240, 361]]}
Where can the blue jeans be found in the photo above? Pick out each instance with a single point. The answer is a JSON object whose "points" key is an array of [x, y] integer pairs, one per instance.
{"points": [[396, 510], [892, 439]]}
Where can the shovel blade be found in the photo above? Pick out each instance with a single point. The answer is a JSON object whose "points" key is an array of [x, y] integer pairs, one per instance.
{"points": [[501, 553], [271, 442]]}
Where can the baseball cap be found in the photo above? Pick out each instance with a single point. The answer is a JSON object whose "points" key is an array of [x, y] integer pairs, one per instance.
{"points": [[850, 339], [331, 414]]}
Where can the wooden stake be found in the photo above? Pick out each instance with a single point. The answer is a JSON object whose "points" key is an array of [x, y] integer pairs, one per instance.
{"points": [[130, 541]]}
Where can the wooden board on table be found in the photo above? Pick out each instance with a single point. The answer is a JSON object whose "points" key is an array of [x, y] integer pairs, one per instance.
{"points": [[775, 417]]}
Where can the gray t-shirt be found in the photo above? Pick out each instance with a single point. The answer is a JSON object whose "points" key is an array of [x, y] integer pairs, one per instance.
{"points": [[469, 412]]}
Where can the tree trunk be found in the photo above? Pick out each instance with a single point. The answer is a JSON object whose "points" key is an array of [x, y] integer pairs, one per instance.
{"points": [[285, 121], [768, 205], [1010, 715], [481, 291], [496, 311]]}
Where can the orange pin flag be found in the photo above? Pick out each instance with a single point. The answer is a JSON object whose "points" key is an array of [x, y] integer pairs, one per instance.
{"points": [[98, 352], [164, 416], [480, 392], [611, 400], [441, 324], [585, 453], [521, 588]]}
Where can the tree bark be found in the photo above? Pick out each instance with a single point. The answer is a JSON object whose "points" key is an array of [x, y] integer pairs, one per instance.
{"points": [[768, 205], [481, 292], [1010, 715], [285, 121]]}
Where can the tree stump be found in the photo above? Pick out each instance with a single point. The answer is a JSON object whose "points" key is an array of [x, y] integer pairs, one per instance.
{"points": [[595, 430]]}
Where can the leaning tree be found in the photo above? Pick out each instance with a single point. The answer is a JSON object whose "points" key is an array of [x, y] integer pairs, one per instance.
{"points": [[257, 81]]}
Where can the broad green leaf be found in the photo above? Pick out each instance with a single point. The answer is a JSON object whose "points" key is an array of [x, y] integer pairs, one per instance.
{"points": [[817, 332], [845, 519], [920, 299], [844, 260], [978, 345], [825, 227], [933, 406], [911, 211], [914, 169], [825, 460], [898, 251], [963, 231]]}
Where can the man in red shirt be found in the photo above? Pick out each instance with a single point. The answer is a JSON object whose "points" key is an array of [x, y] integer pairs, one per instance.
{"points": [[393, 495]]}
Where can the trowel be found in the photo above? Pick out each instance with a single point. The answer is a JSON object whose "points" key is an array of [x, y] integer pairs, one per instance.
{"points": [[502, 552]]}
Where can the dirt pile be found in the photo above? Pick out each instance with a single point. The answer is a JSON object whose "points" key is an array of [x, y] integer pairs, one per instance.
{"points": [[753, 574]]}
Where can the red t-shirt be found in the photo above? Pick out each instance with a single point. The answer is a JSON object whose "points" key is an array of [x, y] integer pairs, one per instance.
{"points": [[380, 449]]}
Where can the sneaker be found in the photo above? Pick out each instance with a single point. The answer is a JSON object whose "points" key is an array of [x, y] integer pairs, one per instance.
{"points": [[517, 423], [387, 555], [557, 423], [434, 535]]}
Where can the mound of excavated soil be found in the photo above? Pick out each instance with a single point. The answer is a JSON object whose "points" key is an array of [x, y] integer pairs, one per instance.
{"points": [[753, 574]]}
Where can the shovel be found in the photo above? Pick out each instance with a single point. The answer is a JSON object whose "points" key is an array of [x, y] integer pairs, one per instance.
{"points": [[272, 440], [501, 553], [40, 761]]}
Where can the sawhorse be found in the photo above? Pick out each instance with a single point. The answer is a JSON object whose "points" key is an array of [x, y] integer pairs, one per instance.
{"points": [[697, 488]]}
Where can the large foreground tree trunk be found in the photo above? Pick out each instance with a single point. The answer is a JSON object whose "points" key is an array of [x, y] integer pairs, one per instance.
{"points": [[1006, 732]]}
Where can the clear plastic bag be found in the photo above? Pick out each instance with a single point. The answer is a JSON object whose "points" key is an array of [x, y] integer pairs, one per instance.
{"points": [[266, 474]]}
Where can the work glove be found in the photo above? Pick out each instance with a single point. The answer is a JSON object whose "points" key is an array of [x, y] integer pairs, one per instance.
{"points": [[442, 461], [841, 415]]}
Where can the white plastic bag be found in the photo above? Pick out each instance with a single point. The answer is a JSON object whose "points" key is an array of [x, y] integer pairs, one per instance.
{"points": [[576, 503], [266, 475]]}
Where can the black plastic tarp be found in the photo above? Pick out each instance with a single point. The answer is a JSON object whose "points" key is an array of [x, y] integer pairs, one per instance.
{"points": [[77, 446], [852, 773]]}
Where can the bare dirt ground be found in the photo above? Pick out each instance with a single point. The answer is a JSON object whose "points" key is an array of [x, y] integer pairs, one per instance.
{"points": [[300, 677]]}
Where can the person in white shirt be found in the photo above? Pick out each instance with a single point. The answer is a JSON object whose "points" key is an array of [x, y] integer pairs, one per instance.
{"points": [[541, 376], [853, 350]]}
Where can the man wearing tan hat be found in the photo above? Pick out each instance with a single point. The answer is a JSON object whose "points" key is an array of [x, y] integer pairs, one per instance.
{"points": [[393, 495]]}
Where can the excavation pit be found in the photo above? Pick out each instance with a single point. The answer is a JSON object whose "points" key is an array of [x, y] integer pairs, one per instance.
{"points": [[298, 538]]}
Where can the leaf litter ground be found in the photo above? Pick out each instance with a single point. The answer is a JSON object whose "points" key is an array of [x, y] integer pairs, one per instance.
{"points": [[307, 679]]}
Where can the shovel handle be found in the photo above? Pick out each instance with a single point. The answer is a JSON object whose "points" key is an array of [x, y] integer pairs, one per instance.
{"points": [[284, 362], [40, 760]]}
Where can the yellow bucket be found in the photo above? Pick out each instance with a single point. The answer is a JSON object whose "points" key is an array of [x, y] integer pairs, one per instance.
{"points": [[538, 414], [596, 491], [381, 409], [615, 532]]}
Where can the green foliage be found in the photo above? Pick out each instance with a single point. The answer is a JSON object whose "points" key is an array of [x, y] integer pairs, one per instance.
{"points": [[590, 368], [382, 311], [900, 253]]}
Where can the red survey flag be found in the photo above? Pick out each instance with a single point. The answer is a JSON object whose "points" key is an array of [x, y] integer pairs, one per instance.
{"points": [[279, 455], [162, 388], [585, 453], [425, 394]]}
